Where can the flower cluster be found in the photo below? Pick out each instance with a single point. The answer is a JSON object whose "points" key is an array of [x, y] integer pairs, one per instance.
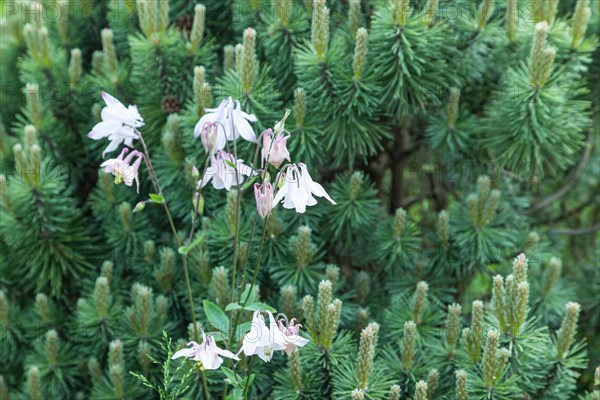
{"points": [[228, 122], [119, 125]]}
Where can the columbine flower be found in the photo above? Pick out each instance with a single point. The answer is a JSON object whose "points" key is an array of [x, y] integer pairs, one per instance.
{"points": [[234, 122], [298, 189], [207, 353], [122, 169], [264, 198], [274, 150], [222, 171], [211, 139], [291, 334], [118, 123], [261, 340]]}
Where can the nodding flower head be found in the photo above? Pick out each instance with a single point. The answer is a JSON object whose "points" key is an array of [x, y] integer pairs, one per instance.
{"points": [[122, 168], [298, 188], [264, 198], [233, 121], [212, 137], [274, 149]]}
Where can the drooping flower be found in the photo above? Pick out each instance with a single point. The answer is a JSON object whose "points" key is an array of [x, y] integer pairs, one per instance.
{"points": [[291, 334], [264, 198], [211, 138], [274, 150], [232, 119], [208, 353], [122, 168], [262, 340], [298, 188], [222, 171], [118, 124]]}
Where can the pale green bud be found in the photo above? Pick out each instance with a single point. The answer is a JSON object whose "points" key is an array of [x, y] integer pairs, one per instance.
{"points": [[198, 26], [75, 66], [320, 29], [360, 53], [228, 57]]}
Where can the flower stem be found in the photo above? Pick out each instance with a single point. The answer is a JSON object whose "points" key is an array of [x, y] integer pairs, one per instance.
{"points": [[248, 378], [183, 257]]}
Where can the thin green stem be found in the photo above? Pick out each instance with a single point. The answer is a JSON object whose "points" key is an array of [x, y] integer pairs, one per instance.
{"points": [[248, 378], [156, 185]]}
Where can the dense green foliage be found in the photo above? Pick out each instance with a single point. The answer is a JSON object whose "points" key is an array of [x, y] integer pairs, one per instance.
{"points": [[458, 139]]}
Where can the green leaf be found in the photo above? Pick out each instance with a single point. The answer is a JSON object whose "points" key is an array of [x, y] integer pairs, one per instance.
{"points": [[251, 298], [157, 198], [216, 316], [249, 183], [188, 248], [259, 306], [231, 376], [229, 163], [233, 306]]}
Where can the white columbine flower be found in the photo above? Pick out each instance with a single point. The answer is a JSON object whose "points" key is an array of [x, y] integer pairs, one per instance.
{"points": [[207, 353], [262, 340], [222, 173], [291, 334], [118, 123], [298, 188], [122, 169], [233, 121]]}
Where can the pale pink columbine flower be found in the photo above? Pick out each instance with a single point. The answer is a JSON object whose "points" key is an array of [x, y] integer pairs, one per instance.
{"points": [[122, 168], [264, 198], [210, 137], [298, 188], [274, 150], [232, 119], [118, 124], [262, 340], [222, 171], [207, 353], [291, 334]]}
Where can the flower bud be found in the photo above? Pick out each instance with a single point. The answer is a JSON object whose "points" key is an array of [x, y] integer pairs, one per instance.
{"points": [[299, 106], [108, 47], [75, 67], [228, 57], [249, 59], [511, 20], [461, 385], [320, 29], [41, 304], [419, 301], [432, 382], [197, 33], [395, 392], [581, 18], [486, 9], [568, 329], [34, 386], [489, 359], [219, 286], [408, 345], [332, 272], [421, 390], [360, 53], [363, 286], [366, 354], [355, 16]]}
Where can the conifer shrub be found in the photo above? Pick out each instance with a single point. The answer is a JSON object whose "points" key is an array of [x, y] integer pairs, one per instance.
{"points": [[299, 199]]}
